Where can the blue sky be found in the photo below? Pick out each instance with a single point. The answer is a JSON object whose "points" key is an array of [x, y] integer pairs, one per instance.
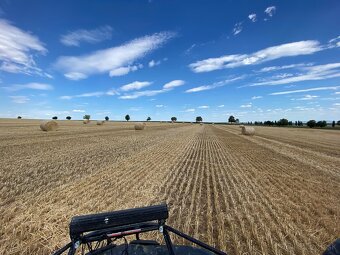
{"points": [[256, 60]]}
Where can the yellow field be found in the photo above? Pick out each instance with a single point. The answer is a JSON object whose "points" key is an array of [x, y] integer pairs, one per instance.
{"points": [[274, 193]]}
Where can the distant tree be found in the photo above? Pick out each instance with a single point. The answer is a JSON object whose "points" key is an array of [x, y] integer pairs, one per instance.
{"points": [[19, 117], [68, 118], [199, 119], [338, 122], [237, 120], [311, 123], [127, 117], [300, 123], [54, 118], [268, 123], [283, 122], [321, 123], [290, 123], [231, 119], [333, 123], [296, 123], [174, 119], [107, 118], [86, 117], [148, 119]]}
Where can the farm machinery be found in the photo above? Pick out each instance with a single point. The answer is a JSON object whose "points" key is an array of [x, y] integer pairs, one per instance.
{"points": [[107, 234]]}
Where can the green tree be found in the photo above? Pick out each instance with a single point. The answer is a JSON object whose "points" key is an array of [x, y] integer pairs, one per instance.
{"points": [[19, 117], [68, 117], [107, 118], [333, 123], [148, 119], [231, 119], [127, 117], [338, 123], [173, 119], [87, 117], [321, 123], [311, 123], [54, 118], [199, 119], [283, 122]]}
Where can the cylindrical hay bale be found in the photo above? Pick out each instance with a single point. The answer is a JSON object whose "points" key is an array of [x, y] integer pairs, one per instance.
{"points": [[248, 130], [201, 124], [100, 122], [49, 126], [86, 121], [241, 126], [139, 126]]}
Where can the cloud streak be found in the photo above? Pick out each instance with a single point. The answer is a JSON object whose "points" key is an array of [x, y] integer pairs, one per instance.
{"points": [[32, 85], [17, 48], [90, 36], [214, 85], [304, 90], [258, 57], [111, 59]]}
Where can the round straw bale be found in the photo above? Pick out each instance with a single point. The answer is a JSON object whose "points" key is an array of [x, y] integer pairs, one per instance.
{"points": [[100, 122], [139, 126], [248, 130], [49, 126], [144, 123], [86, 121], [201, 124], [241, 126]]}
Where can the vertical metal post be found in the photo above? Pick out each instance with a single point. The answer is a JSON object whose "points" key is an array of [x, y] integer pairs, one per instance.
{"points": [[168, 242]]}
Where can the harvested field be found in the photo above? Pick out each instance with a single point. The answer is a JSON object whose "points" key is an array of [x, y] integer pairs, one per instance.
{"points": [[273, 193]]}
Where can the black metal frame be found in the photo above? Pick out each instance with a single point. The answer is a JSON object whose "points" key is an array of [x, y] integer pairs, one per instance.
{"points": [[81, 224]]}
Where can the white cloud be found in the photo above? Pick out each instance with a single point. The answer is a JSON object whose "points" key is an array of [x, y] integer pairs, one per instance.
{"points": [[190, 110], [252, 17], [276, 68], [246, 105], [159, 105], [237, 28], [32, 85], [307, 97], [336, 104], [75, 76], [76, 110], [19, 99], [111, 59], [304, 90], [90, 36], [319, 72], [17, 49], [256, 97], [123, 70], [173, 84], [335, 42], [135, 85], [221, 106], [91, 94], [138, 94], [153, 63], [337, 93], [270, 11], [203, 107], [214, 85], [267, 54], [112, 92]]}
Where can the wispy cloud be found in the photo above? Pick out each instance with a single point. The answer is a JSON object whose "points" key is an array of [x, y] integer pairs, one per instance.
{"points": [[203, 107], [335, 42], [237, 28], [90, 94], [173, 84], [190, 110], [111, 59], [19, 99], [214, 85], [319, 72], [120, 71], [304, 90], [159, 106], [166, 88], [267, 54], [252, 17], [277, 68], [270, 11], [136, 85], [32, 85], [76, 110], [90, 36], [153, 63], [221, 106], [17, 48], [249, 105], [256, 97]]}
